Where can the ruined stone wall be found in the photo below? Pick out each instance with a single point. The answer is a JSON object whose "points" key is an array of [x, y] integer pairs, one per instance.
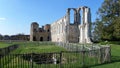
{"points": [[58, 30], [63, 31], [40, 34], [73, 33], [79, 31]]}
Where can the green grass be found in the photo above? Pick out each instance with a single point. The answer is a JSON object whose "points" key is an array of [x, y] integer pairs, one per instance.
{"points": [[37, 47], [5, 44]]}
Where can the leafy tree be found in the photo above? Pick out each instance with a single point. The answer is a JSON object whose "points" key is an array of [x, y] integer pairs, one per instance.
{"points": [[97, 30], [109, 20]]}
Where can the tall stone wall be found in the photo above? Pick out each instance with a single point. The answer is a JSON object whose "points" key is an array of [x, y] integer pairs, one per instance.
{"points": [[58, 30], [73, 34], [79, 31]]}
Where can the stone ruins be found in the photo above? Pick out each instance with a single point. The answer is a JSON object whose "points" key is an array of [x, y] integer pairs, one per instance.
{"points": [[63, 30], [40, 34]]}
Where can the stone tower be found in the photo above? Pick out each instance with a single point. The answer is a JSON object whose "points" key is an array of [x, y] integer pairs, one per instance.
{"points": [[47, 28], [40, 33], [33, 31]]}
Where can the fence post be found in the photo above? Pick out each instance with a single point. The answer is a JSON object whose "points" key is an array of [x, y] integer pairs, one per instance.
{"points": [[83, 55], [0, 60], [109, 54], [100, 55], [31, 60], [61, 59]]}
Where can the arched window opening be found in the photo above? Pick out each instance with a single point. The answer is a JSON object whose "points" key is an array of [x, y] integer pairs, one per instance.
{"points": [[72, 16], [41, 38], [48, 38], [35, 30], [48, 30], [34, 38]]}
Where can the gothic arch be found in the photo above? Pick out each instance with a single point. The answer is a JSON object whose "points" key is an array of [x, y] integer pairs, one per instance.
{"points": [[34, 38], [74, 15], [41, 38]]}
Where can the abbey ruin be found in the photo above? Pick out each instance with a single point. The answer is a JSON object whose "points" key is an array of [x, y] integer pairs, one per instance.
{"points": [[63, 30]]}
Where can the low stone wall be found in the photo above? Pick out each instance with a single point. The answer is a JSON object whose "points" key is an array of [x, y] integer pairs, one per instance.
{"points": [[7, 50], [101, 52], [43, 58]]}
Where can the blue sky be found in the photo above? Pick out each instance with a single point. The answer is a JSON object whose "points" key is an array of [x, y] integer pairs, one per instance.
{"points": [[17, 15]]}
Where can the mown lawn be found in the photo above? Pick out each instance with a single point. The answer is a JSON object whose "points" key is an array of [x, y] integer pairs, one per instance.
{"points": [[37, 47], [115, 59]]}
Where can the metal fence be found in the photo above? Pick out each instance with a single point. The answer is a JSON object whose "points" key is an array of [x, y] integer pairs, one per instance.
{"points": [[64, 59]]}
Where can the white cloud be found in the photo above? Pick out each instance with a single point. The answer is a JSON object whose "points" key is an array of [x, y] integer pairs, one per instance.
{"points": [[2, 19]]}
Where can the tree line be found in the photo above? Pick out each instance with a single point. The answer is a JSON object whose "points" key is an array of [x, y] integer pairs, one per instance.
{"points": [[14, 37]]}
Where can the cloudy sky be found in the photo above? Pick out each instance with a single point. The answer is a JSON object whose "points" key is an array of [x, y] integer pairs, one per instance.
{"points": [[17, 15]]}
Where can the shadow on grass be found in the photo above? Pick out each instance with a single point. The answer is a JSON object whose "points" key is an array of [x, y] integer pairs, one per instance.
{"points": [[114, 59], [115, 42], [110, 42]]}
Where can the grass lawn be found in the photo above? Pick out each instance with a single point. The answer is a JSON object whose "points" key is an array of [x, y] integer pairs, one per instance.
{"points": [[37, 47], [4, 44]]}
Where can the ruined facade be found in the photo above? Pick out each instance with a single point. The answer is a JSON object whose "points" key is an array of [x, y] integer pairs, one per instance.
{"points": [[63, 30], [40, 34]]}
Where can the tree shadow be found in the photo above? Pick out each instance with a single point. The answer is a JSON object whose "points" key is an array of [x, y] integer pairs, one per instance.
{"points": [[115, 42], [114, 59]]}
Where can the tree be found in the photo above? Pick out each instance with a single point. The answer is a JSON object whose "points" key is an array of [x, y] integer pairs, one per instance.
{"points": [[6, 37], [109, 16], [1, 37], [97, 30]]}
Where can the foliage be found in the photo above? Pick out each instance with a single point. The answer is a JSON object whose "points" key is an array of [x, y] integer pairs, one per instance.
{"points": [[97, 30], [107, 26], [1, 37]]}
